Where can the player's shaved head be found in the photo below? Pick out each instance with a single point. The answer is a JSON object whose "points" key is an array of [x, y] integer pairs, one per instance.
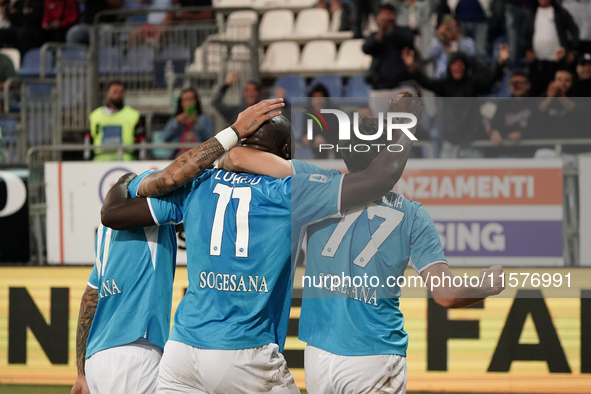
{"points": [[274, 136]]}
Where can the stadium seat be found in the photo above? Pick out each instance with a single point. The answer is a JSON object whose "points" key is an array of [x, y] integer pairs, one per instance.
{"points": [[213, 56], [294, 85], [269, 4], [300, 3], [14, 55], [358, 91], [9, 129], [175, 52], [232, 3], [239, 25], [311, 23], [136, 19], [30, 66], [139, 59], [276, 25], [109, 60], [74, 55], [357, 87], [352, 57], [318, 55], [333, 83], [281, 56]]}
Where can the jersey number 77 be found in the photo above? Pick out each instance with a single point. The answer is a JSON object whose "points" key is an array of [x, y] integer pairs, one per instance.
{"points": [[392, 218]]}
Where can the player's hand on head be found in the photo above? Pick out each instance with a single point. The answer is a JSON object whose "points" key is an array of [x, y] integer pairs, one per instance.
{"points": [[80, 386], [254, 116], [494, 280]]}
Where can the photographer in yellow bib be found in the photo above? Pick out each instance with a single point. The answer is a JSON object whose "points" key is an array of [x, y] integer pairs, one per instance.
{"points": [[114, 124]]}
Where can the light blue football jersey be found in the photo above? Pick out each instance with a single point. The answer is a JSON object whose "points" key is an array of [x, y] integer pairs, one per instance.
{"points": [[359, 317], [242, 232], [133, 273]]}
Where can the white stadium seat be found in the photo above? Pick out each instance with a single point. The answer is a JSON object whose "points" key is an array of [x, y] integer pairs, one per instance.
{"points": [[276, 25], [14, 55], [232, 3], [281, 56], [311, 23], [239, 25], [318, 55], [301, 3], [351, 56], [269, 4]]}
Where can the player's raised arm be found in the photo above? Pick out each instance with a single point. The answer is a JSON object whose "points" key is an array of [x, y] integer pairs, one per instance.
{"points": [[191, 163], [85, 317], [369, 182], [448, 295], [121, 212], [254, 161]]}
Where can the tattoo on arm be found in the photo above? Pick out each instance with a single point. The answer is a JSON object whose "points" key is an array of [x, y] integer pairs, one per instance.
{"points": [[85, 317], [186, 167], [247, 128]]}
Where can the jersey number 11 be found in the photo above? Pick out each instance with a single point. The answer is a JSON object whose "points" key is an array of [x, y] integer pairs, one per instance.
{"points": [[244, 195]]}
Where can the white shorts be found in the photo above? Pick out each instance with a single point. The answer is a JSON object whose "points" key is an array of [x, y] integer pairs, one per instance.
{"points": [[328, 373], [131, 368], [189, 369]]}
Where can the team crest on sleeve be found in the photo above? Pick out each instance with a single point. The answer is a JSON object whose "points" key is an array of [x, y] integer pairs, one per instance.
{"points": [[319, 178]]}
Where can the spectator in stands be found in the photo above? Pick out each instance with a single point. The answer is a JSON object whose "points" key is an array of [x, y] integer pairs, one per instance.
{"points": [[114, 124], [250, 94], [190, 15], [388, 75], [473, 16], [4, 22], [58, 17], [360, 10], [189, 124], [6, 71], [319, 99], [513, 118], [550, 36], [449, 39], [515, 14], [580, 10], [416, 16], [556, 110], [337, 9], [80, 33], [461, 117], [582, 87], [25, 30]]}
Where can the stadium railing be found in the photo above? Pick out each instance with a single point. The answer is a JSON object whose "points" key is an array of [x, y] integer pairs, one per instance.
{"points": [[156, 60], [556, 144]]}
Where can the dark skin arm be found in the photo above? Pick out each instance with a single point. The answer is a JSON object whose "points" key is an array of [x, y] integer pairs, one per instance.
{"points": [[119, 209], [387, 168], [85, 317]]}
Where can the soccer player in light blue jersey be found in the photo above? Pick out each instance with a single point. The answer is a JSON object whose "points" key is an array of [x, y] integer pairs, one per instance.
{"points": [[231, 326], [354, 329], [125, 311]]}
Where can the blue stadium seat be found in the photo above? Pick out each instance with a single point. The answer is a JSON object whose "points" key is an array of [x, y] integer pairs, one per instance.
{"points": [[9, 131], [74, 55], [30, 66], [109, 60], [139, 59], [358, 90], [332, 82], [175, 52], [136, 19], [294, 85]]}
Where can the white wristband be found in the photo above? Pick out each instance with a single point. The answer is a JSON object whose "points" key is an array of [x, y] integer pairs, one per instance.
{"points": [[227, 138]]}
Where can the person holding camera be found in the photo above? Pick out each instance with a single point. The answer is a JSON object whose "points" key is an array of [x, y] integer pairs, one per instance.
{"points": [[388, 74], [189, 124], [448, 39]]}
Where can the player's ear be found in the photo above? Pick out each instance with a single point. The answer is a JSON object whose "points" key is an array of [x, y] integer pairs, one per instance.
{"points": [[285, 152]]}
